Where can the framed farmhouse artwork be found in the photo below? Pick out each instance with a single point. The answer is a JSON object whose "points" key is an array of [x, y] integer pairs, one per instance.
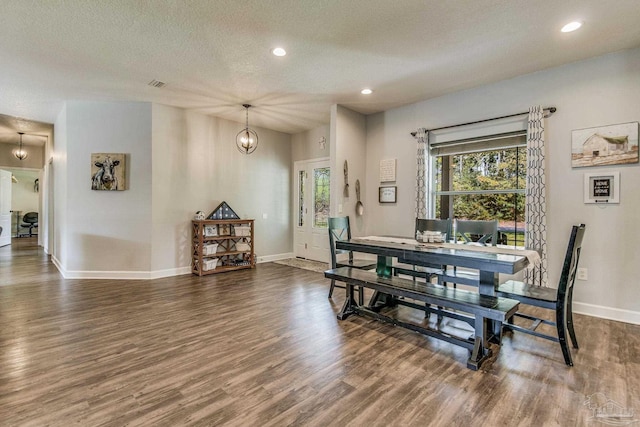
{"points": [[605, 145], [108, 171]]}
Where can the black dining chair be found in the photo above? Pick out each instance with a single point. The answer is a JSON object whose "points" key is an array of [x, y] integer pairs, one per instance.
{"points": [[426, 271], [558, 300], [470, 232], [340, 229], [29, 221]]}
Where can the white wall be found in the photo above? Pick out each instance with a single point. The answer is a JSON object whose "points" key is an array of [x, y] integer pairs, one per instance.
{"points": [[306, 146], [196, 166], [589, 93], [104, 231], [348, 142]]}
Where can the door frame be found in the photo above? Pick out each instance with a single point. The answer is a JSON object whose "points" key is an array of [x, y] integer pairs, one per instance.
{"points": [[306, 165]]}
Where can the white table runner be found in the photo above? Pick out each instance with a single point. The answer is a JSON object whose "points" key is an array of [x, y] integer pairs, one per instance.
{"points": [[532, 256]]}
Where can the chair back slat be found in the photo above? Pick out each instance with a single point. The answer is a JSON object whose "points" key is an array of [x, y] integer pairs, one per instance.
{"points": [[487, 230], [570, 265], [339, 229]]}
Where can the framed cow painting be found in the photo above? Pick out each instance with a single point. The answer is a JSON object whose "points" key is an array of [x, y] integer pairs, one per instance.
{"points": [[108, 171]]}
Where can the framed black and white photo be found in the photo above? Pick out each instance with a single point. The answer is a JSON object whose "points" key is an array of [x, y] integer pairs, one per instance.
{"points": [[387, 195], [603, 188]]}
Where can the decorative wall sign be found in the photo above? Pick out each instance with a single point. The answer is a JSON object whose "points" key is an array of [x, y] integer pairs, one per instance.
{"points": [[387, 170], [108, 171], [387, 194], [602, 188], [605, 145]]}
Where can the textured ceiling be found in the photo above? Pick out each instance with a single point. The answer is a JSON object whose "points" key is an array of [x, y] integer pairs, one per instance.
{"points": [[215, 55]]}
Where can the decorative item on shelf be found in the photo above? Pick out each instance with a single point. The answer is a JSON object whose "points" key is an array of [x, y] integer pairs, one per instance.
{"points": [[243, 247], [36, 185], [209, 249], [247, 138], [223, 211], [322, 142], [225, 229], [209, 264], [242, 230], [199, 216], [210, 231], [20, 153]]}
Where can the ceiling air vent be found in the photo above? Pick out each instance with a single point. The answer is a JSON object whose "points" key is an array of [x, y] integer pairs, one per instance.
{"points": [[157, 83]]}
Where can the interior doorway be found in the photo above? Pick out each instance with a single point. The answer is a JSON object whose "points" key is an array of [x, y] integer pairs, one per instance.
{"points": [[311, 239], [25, 202]]}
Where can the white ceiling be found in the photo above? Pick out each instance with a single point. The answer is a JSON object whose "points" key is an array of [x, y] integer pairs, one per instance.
{"points": [[215, 55]]}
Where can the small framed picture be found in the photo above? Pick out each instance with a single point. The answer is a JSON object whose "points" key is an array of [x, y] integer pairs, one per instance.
{"points": [[225, 229], [210, 231], [387, 195], [602, 187]]}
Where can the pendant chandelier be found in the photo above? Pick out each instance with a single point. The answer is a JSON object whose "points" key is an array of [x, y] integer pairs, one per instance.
{"points": [[247, 139], [20, 153]]}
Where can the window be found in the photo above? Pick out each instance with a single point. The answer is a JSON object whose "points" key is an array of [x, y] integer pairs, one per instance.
{"points": [[483, 179], [321, 181]]}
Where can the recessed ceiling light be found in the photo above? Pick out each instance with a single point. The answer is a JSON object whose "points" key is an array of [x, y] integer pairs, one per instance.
{"points": [[571, 26], [366, 91], [278, 51]]}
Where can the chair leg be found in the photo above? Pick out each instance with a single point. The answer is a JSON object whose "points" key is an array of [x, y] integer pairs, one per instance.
{"points": [[333, 285], [572, 332], [361, 296], [562, 337]]}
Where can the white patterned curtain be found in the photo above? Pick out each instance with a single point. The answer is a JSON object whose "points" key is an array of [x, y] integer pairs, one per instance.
{"points": [[536, 203], [422, 195]]}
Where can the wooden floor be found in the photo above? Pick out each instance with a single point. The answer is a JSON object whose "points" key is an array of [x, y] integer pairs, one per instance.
{"points": [[263, 347]]}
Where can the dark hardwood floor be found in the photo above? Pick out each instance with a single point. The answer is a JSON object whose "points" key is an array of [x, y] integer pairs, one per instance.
{"points": [[264, 347]]}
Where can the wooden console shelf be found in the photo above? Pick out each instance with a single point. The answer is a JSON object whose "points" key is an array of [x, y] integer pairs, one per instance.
{"points": [[221, 245]]}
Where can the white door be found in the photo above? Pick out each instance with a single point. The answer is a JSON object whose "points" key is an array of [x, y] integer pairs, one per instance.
{"points": [[5, 207], [311, 238]]}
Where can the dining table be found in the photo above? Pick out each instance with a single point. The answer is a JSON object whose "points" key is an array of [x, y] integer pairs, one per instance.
{"points": [[489, 261]]}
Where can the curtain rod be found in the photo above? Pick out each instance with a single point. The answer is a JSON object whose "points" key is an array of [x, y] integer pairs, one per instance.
{"points": [[551, 110]]}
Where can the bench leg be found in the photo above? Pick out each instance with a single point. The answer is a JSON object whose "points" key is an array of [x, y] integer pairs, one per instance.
{"points": [[480, 351], [349, 303]]}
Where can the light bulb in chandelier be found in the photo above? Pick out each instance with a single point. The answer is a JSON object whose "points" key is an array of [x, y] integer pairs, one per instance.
{"points": [[20, 153], [247, 139]]}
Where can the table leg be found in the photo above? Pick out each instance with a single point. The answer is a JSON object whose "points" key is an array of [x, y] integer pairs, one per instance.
{"points": [[487, 286]]}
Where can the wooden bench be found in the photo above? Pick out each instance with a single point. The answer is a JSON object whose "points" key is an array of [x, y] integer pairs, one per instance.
{"points": [[482, 309]]}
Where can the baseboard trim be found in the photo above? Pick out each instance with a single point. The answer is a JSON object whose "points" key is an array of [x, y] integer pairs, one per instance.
{"points": [[276, 257], [120, 275], [145, 275], [609, 313]]}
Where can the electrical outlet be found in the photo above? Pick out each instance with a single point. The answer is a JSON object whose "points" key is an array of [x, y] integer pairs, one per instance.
{"points": [[339, 207], [264, 216], [583, 274]]}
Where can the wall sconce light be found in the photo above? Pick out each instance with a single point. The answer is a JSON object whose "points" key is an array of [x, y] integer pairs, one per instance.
{"points": [[247, 139], [20, 153]]}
